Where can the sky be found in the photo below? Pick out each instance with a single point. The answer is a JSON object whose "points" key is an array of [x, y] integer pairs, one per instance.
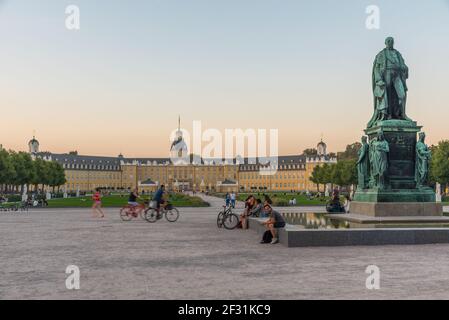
{"points": [[119, 83]]}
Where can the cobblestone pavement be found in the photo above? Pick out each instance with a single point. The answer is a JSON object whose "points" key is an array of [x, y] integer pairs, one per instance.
{"points": [[192, 259]]}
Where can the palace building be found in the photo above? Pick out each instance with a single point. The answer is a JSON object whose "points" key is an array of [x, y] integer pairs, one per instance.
{"points": [[187, 172]]}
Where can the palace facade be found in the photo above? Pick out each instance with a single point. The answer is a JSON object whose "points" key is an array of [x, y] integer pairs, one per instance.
{"points": [[87, 173]]}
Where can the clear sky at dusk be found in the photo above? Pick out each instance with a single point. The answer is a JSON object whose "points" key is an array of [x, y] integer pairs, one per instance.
{"points": [[303, 67]]}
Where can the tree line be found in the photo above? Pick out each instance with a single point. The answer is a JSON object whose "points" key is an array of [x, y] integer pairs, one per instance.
{"points": [[18, 169], [344, 173], [439, 165]]}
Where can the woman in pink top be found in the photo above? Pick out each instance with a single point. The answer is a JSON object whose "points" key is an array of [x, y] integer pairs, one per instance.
{"points": [[96, 207]]}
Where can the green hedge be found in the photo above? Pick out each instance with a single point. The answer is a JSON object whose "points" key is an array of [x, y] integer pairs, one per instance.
{"points": [[14, 198]]}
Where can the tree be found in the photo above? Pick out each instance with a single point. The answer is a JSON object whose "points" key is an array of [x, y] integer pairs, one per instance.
{"points": [[347, 172], [326, 173], [310, 152], [56, 175], [351, 152], [343, 173], [41, 176], [439, 165], [24, 169], [7, 172], [317, 176]]}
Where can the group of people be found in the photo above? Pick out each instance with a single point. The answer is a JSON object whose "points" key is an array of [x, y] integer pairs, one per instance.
{"points": [[256, 208], [335, 205], [230, 199], [158, 198]]}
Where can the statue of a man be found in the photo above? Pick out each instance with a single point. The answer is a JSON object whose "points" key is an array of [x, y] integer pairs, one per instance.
{"points": [[363, 164], [389, 85], [379, 161], [423, 156]]}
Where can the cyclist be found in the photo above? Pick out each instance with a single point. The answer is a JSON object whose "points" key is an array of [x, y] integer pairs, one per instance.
{"points": [[132, 201], [159, 198]]}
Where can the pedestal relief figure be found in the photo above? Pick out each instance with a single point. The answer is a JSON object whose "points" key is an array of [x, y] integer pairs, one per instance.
{"points": [[379, 161], [423, 156], [363, 165]]}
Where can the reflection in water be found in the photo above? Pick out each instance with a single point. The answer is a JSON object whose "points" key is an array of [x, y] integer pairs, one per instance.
{"points": [[323, 221], [314, 221]]}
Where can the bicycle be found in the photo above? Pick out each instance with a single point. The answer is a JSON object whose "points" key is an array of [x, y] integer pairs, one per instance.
{"points": [[24, 206], [153, 214], [128, 212], [9, 207], [227, 219]]}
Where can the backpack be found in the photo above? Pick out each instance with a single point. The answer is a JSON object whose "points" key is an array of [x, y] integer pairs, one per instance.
{"points": [[267, 237]]}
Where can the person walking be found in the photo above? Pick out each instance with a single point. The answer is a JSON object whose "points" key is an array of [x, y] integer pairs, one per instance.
{"points": [[97, 211]]}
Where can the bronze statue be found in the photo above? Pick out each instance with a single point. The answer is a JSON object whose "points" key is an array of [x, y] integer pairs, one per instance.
{"points": [[423, 156], [363, 164], [389, 85], [379, 161]]}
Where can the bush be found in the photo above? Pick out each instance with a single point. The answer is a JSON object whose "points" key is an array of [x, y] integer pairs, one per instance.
{"points": [[280, 203], [14, 198]]}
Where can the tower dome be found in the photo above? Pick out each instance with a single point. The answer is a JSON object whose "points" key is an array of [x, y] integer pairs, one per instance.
{"points": [[179, 149], [321, 148], [33, 146]]}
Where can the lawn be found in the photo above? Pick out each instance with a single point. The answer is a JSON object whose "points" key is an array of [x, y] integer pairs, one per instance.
{"points": [[117, 201], [282, 199]]}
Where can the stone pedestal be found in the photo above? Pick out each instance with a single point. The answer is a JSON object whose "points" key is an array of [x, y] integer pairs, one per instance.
{"points": [[395, 195], [401, 138], [397, 209], [401, 197]]}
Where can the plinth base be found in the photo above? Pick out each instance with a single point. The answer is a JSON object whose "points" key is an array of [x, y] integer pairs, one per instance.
{"points": [[395, 195], [397, 209]]}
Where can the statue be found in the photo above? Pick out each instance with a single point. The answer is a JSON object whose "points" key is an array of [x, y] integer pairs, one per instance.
{"points": [[25, 193], [363, 164], [389, 85], [393, 166], [379, 161], [423, 156]]}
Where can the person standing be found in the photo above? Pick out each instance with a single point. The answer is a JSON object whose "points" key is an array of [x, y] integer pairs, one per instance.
{"points": [[233, 199], [249, 205], [96, 207], [227, 199]]}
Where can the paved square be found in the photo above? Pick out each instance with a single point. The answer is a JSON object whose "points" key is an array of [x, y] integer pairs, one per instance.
{"points": [[192, 259]]}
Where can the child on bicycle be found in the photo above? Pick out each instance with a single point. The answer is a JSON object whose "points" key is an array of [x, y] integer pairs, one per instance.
{"points": [[133, 196]]}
